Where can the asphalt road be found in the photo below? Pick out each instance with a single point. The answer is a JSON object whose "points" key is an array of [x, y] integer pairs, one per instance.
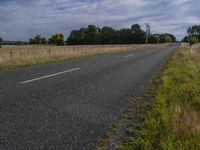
{"points": [[69, 105]]}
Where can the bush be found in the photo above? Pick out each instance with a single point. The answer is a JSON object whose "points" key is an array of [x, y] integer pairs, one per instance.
{"points": [[193, 40], [57, 39]]}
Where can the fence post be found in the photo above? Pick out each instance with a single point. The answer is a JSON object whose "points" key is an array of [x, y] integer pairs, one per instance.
{"points": [[28, 54], [11, 54], [49, 52]]}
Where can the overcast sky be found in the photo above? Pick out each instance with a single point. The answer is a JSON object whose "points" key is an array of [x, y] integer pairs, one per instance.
{"points": [[22, 19]]}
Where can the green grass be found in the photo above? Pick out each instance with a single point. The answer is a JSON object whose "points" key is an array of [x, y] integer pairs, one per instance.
{"points": [[173, 122]]}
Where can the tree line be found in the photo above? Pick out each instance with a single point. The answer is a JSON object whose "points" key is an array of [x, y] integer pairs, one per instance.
{"points": [[193, 36], [57, 39], [1, 40], [93, 35]]}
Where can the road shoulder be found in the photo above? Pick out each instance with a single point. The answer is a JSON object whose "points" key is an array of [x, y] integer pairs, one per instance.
{"points": [[133, 115]]}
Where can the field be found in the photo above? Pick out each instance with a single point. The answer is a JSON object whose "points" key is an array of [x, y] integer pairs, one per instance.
{"points": [[174, 119], [18, 56]]}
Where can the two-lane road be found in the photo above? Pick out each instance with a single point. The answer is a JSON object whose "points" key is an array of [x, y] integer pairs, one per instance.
{"points": [[69, 105]]}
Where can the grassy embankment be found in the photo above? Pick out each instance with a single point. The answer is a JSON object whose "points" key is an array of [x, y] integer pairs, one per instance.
{"points": [[19, 56], [174, 118]]}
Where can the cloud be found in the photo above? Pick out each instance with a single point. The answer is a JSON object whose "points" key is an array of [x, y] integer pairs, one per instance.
{"points": [[22, 19]]}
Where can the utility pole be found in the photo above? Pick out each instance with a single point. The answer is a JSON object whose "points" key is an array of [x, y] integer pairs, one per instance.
{"points": [[1, 37], [148, 31], [2, 34]]}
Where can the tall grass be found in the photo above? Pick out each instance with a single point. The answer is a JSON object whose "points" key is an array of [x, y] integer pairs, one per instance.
{"points": [[14, 56], [174, 120]]}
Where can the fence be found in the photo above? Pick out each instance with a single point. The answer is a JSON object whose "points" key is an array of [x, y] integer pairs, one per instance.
{"points": [[18, 54]]}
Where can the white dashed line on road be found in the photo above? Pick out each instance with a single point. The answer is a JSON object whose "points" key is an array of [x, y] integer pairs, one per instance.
{"points": [[51, 75], [129, 55]]}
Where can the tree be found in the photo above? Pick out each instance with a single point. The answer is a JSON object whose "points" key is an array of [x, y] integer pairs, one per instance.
{"points": [[107, 35], [1, 40], [137, 35], [124, 36], [31, 41], [38, 39], [172, 37], [18, 43], [154, 39], [193, 40], [194, 31], [168, 39], [185, 39], [77, 37], [91, 35], [57, 39], [44, 40]]}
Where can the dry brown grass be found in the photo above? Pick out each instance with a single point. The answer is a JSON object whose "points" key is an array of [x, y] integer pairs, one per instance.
{"points": [[14, 56], [194, 52], [195, 48], [185, 121], [174, 120]]}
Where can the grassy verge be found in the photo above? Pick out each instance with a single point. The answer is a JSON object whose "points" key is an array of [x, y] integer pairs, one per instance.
{"points": [[21, 56], [174, 119]]}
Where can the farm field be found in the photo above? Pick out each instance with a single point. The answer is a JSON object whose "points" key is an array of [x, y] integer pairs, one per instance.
{"points": [[19, 56]]}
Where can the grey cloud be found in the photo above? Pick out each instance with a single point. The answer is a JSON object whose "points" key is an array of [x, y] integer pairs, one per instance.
{"points": [[23, 19]]}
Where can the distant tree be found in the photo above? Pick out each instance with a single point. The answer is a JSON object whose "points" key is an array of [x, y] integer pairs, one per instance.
{"points": [[50, 41], [1, 40], [194, 31], [125, 36], [193, 40], [91, 35], [154, 39], [172, 37], [44, 40], [57, 39], [18, 43], [138, 35], [77, 37], [31, 41], [107, 35], [185, 39], [38, 39], [162, 38], [168, 39], [74, 38], [98, 36]]}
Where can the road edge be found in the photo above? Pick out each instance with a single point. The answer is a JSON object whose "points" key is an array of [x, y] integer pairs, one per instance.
{"points": [[134, 114]]}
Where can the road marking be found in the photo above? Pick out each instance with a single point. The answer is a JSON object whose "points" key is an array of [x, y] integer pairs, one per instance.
{"points": [[51, 75], [129, 55]]}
